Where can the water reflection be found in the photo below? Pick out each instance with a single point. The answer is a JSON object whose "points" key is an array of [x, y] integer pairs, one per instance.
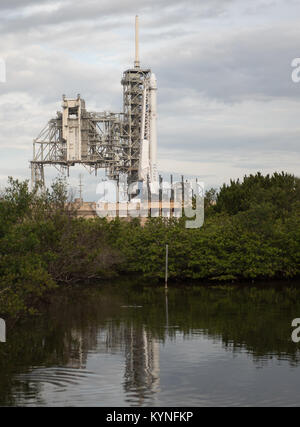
{"points": [[144, 347], [137, 346], [141, 376]]}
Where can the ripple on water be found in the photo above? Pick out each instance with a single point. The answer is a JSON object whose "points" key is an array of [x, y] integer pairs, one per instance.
{"points": [[57, 376]]}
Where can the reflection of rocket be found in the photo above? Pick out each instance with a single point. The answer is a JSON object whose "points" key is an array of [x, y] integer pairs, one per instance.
{"points": [[142, 365]]}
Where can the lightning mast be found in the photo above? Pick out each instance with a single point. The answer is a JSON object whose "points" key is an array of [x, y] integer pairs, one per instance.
{"points": [[139, 109], [137, 51]]}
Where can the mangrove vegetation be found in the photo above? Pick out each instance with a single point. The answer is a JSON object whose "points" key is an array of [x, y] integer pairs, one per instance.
{"points": [[251, 232]]}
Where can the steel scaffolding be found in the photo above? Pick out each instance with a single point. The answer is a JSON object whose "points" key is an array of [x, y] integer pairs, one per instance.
{"points": [[133, 82], [102, 140]]}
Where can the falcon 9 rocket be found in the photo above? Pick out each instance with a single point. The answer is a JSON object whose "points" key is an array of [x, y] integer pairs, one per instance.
{"points": [[148, 134]]}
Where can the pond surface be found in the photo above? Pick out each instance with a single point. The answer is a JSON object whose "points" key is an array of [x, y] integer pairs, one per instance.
{"points": [[137, 346]]}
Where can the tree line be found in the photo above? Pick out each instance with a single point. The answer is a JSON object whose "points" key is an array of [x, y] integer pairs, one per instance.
{"points": [[251, 232]]}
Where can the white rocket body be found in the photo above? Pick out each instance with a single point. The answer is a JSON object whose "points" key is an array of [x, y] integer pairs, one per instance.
{"points": [[148, 136], [148, 152], [144, 171], [144, 167], [153, 129]]}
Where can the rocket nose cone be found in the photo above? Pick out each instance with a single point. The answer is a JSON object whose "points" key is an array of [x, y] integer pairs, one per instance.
{"points": [[153, 81]]}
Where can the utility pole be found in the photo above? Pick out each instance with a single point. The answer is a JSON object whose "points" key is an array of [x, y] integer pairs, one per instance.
{"points": [[182, 194], [172, 198], [167, 266], [160, 196], [80, 188]]}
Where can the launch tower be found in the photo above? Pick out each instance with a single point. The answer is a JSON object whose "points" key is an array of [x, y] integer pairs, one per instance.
{"points": [[121, 143]]}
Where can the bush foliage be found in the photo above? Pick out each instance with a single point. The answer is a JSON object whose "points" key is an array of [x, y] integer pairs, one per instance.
{"points": [[251, 231]]}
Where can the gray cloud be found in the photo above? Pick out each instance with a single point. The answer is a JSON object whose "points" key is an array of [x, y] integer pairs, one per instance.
{"points": [[20, 4]]}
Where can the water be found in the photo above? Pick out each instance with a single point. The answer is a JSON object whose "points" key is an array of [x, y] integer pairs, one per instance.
{"points": [[120, 346]]}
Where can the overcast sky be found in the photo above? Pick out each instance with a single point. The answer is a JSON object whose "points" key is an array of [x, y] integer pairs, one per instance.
{"points": [[227, 103]]}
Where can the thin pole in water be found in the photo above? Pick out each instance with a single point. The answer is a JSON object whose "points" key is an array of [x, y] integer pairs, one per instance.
{"points": [[167, 260]]}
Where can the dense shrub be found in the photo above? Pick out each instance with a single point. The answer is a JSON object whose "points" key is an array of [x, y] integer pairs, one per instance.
{"points": [[43, 244]]}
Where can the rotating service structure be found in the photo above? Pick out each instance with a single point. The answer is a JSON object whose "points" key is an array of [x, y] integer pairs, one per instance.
{"points": [[121, 143]]}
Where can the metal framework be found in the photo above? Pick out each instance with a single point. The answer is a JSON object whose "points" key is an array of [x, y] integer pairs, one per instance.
{"points": [[102, 133], [117, 142], [134, 82]]}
